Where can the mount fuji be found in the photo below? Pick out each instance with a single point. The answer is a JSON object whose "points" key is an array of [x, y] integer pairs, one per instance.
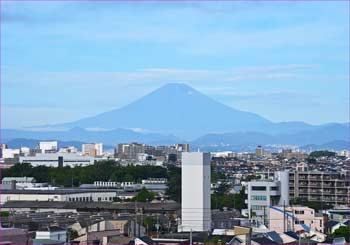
{"points": [[176, 112]]}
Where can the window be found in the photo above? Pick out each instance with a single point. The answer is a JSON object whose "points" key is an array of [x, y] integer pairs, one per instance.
{"points": [[257, 207], [299, 211], [259, 198], [258, 188], [274, 188], [299, 222]]}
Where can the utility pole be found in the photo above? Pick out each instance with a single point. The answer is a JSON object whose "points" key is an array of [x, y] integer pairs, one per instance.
{"points": [[191, 237], [135, 221], [293, 219], [264, 215], [157, 225], [284, 216]]}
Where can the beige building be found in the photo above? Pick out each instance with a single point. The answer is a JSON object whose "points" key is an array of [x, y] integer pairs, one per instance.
{"points": [[92, 149], [324, 187], [294, 219]]}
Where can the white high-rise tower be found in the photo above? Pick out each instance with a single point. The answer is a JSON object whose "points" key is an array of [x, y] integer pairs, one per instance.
{"points": [[195, 204]]}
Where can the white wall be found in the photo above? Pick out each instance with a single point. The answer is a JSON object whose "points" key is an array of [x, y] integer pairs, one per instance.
{"points": [[196, 214], [9, 153], [47, 145], [30, 197], [96, 197], [283, 177], [51, 159], [53, 235]]}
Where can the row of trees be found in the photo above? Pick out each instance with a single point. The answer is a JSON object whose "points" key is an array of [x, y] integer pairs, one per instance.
{"points": [[102, 171], [316, 154], [222, 198], [315, 205], [111, 171]]}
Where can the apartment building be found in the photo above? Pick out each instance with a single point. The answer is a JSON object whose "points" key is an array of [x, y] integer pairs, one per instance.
{"points": [[92, 149], [324, 187], [48, 146]]}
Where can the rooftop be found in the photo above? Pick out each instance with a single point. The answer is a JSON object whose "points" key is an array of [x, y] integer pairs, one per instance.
{"points": [[130, 206], [19, 179]]}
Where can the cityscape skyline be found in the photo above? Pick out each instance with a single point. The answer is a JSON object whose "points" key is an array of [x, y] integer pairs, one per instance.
{"points": [[175, 122], [234, 59]]}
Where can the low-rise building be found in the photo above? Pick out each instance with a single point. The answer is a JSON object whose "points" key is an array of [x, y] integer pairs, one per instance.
{"points": [[48, 146], [59, 159], [261, 194], [18, 180], [59, 195], [92, 149], [296, 219], [15, 236], [51, 235]]}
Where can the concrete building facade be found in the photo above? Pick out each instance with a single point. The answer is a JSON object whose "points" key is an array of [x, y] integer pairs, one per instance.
{"points": [[59, 195], [195, 206], [48, 146], [261, 194], [323, 187], [296, 218], [57, 159]]}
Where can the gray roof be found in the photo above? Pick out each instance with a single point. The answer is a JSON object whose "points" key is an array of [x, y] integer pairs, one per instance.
{"points": [[130, 206], [331, 223], [22, 179], [59, 191]]}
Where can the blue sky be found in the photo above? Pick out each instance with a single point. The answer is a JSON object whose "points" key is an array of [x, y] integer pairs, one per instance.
{"points": [[62, 61]]}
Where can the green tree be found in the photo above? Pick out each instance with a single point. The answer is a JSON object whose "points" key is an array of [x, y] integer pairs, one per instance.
{"points": [[102, 170], [316, 154], [144, 196], [222, 188], [221, 200], [149, 222], [342, 231], [311, 204], [4, 214], [174, 183], [216, 175], [117, 199], [252, 177]]}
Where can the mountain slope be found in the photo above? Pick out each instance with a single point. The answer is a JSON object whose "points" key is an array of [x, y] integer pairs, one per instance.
{"points": [[177, 109], [320, 135], [110, 137]]}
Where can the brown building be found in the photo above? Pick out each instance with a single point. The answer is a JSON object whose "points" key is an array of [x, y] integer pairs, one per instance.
{"points": [[324, 187]]}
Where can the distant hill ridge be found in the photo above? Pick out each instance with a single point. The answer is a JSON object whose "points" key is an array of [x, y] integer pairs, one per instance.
{"points": [[177, 113]]}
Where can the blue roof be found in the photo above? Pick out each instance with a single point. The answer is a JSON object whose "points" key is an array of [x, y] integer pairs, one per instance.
{"points": [[292, 234], [47, 242], [273, 235]]}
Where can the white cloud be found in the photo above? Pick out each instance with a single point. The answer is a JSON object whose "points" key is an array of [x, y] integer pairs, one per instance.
{"points": [[155, 75]]}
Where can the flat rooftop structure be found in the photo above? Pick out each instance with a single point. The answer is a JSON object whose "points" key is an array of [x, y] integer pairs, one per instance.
{"points": [[92, 206], [55, 191]]}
